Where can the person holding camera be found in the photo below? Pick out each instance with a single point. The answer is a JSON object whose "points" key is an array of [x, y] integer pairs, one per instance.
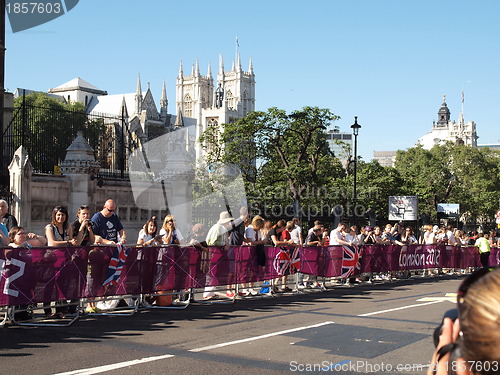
{"points": [[468, 340], [82, 227]]}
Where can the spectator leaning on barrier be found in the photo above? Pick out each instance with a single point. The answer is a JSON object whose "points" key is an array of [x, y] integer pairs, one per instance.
{"points": [[19, 238], [82, 227], [59, 232], [107, 224], [148, 234], [493, 238], [170, 234], [5, 218], [484, 248], [218, 235], [337, 236]]}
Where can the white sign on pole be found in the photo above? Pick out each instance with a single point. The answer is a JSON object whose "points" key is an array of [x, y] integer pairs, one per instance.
{"points": [[403, 208], [449, 209]]}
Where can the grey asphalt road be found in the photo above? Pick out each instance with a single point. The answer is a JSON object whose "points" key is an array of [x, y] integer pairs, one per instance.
{"points": [[374, 328]]}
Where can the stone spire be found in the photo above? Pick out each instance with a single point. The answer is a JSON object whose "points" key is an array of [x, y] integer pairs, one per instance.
{"points": [[181, 73], [138, 96], [197, 68], [209, 71], [163, 102], [250, 66], [221, 65], [238, 63]]}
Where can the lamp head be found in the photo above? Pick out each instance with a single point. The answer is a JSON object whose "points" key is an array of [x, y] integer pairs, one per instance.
{"points": [[355, 127]]}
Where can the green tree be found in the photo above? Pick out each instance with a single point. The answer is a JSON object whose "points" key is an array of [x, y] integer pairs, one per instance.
{"points": [[276, 151], [450, 173]]}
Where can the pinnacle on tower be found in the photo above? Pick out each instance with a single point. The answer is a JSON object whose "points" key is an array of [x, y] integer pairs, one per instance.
{"points": [[197, 68], [221, 65], [181, 73], [138, 96], [209, 71], [250, 66], [163, 100], [238, 63]]}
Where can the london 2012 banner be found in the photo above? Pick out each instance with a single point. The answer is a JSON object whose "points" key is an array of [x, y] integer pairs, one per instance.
{"points": [[51, 274]]}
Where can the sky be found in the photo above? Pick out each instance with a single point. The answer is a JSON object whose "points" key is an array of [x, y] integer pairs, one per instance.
{"points": [[389, 62]]}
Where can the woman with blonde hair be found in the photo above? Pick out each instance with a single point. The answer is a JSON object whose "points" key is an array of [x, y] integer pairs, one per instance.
{"points": [[471, 344], [171, 235]]}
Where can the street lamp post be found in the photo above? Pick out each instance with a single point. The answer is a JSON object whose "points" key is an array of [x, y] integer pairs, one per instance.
{"points": [[355, 131]]}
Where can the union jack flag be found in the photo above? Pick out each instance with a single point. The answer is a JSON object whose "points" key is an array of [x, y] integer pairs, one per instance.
{"points": [[285, 264], [116, 264], [350, 260], [295, 260]]}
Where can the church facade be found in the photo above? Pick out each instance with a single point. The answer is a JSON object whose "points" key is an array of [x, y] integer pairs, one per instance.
{"points": [[201, 102]]}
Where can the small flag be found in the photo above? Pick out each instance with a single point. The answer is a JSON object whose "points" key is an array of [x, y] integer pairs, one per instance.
{"points": [[116, 264]]}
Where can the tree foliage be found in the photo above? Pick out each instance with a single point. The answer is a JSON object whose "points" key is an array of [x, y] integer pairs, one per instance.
{"points": [[46, 127], [285, 160], [277, 151], [451, 173]]}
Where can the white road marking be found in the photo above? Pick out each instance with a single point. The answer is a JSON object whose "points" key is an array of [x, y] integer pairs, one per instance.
{"points": [[258, 337], [400, 308], [99, 369]]}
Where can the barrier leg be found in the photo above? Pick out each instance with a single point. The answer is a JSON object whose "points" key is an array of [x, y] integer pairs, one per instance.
{"points": [[175, 304], [116, 305], [33, 315]]}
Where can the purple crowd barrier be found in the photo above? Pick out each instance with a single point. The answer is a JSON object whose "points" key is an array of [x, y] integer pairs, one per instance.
{"points": [[50, 274]]}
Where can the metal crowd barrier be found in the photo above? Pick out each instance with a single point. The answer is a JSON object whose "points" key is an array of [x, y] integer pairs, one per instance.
{"points": [[128, 304]]}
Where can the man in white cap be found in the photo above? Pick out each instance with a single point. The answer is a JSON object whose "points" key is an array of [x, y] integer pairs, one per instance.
{"points": [[218, 235]]}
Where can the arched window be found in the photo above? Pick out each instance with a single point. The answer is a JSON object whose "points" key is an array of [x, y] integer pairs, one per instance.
{"points": [[213, 125], [230, 100], [188, 106]]}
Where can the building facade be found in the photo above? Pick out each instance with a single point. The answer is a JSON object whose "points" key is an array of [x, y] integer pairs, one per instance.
{"points": [[446, 130]]}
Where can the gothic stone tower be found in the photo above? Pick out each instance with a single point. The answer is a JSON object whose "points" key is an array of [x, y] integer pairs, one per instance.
{"points": [[202, 104]]}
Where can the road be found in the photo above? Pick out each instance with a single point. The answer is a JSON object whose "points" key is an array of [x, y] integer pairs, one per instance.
{"points": [[342, 330]]}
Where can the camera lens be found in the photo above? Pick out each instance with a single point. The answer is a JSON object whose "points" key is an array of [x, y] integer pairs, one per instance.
{"points": [[453, 315]]}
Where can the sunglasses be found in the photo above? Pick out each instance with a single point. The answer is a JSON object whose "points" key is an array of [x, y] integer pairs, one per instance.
{"points": [[109, 210]]}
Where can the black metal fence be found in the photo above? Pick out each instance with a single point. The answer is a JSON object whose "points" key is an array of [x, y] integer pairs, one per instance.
{"points": [[47, 132]]}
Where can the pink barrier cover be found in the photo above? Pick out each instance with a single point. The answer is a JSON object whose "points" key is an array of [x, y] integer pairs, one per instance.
{"points": [[50, 274]]}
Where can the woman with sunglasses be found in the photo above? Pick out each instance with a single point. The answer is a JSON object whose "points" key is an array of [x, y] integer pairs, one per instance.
{"points": [[171, 235], [470, 345]]}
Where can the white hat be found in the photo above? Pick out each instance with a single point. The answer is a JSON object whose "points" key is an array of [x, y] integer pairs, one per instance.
{"points": [[435, 228], [225, 217]]}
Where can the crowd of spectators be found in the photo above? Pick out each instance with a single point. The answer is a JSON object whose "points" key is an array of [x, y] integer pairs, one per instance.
{"points": [[105, 227]]}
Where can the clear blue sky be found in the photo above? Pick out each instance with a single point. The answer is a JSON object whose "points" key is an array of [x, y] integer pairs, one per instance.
{"points": [[389, 62]]}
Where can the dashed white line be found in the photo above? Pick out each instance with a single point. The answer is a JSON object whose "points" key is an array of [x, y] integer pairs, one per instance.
{"points": [[400, 308], [99, 369]]}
